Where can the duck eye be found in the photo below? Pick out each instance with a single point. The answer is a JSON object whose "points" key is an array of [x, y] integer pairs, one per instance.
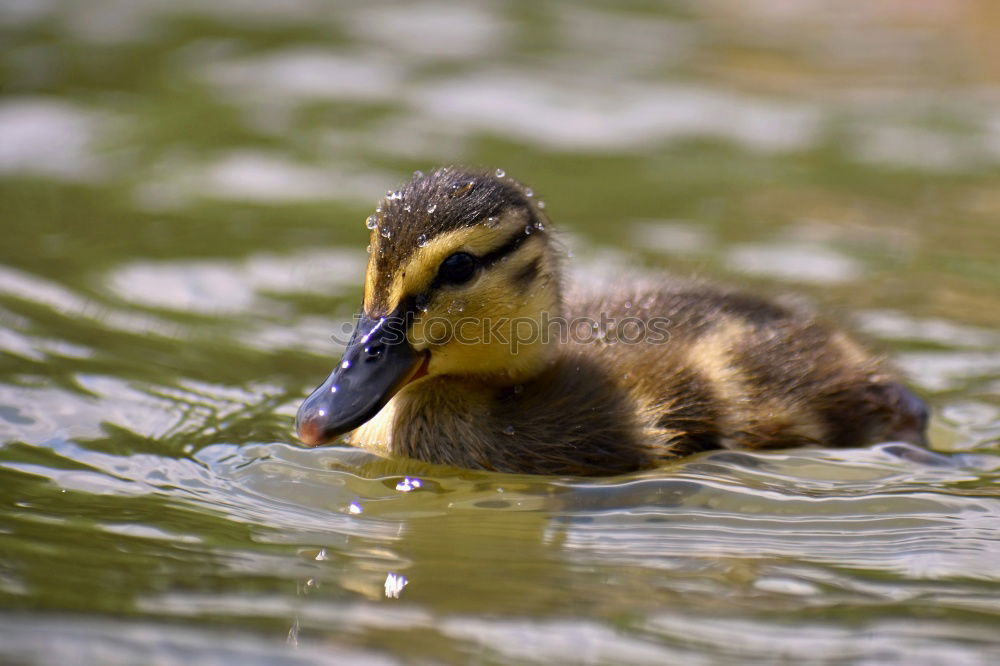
{"points": [[457, 268]]}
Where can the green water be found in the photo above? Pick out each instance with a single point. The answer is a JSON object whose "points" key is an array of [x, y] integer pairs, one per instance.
{"points": [[182, 193]]}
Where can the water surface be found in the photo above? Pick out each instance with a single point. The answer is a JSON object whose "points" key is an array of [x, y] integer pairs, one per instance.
{"points": [[183, 187]]}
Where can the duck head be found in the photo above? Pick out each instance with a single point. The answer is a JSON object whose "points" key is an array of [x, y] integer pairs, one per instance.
{"points": [[462, 276]]}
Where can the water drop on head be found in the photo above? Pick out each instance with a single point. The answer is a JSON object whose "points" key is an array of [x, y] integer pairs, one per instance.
{"points": [[354, 508], [418, 174], [371, 222], [456, 306], [509, 430], [408, 208], [500, 173], [540, 226], [540, 204], [369, 249], [421, 240], [528, 229], [386, 233], [432, 208], [528, 192], [378, 209], [345, 364]]}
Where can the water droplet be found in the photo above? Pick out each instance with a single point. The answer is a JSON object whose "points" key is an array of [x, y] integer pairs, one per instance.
{"points": [[432, 208], [528, 192], [421, 240], [491, 220], [322, 555], [540, 204], [408, 484], [540, 225], [354, 508], [369, 249], [500, 173], [378, 209], [385, 232], [528, 229], [628, 305], [392, 196], [333, 389], [509, 430], [394, 585], [345, 364], [408, 208], [418, 174], [371, 222], [456, 306]]}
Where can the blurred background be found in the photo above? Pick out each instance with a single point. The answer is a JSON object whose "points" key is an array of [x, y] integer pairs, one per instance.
{"points": [[183, 187]]}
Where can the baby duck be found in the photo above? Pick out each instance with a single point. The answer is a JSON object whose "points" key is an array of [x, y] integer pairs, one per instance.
{"points": [[471, 350]]}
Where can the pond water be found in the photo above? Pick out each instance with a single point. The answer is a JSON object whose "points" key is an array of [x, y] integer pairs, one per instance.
{"points": [[183, 188]]}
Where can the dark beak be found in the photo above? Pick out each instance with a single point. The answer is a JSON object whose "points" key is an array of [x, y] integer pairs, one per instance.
{"points": [[377, 363]]}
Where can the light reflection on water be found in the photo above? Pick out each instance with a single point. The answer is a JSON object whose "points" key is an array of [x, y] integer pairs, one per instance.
{"points": [[184, 187]]}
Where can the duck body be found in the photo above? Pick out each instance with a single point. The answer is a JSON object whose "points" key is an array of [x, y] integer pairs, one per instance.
{"points": [[552, 380]]}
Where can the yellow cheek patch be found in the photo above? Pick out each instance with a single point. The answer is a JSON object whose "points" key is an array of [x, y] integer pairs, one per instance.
{"points": [[491, 326]]}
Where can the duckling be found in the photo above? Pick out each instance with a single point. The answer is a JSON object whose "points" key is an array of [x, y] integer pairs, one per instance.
{"points": [[471, 349]]}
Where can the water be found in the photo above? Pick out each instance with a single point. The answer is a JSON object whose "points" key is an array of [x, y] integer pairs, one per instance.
{"points": [[181, 186]]}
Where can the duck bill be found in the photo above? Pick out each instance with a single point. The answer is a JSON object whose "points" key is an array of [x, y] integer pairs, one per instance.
{"points": [[377, 363]]}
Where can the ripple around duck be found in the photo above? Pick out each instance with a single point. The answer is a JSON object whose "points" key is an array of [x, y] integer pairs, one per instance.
{"points": [[740, 540]]}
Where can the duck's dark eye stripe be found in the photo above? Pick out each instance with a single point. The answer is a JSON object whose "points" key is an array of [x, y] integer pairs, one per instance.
{"points": [[419, 302], [527, 274], [507, 248]]}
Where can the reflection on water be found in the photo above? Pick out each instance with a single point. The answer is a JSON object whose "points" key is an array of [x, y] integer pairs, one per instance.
{"points": [[183, 190]]}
